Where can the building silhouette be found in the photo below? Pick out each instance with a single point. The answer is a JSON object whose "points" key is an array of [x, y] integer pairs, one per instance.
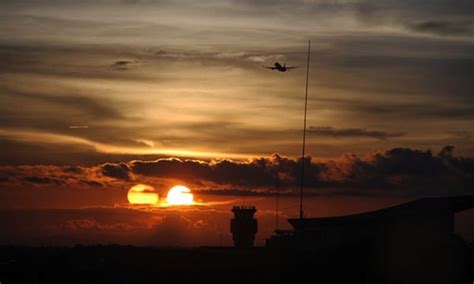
{"points": [[409, 243], [244, 226]]}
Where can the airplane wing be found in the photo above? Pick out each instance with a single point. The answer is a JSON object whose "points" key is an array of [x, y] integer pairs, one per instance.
{"points": [[292, 67], [269, 67]]}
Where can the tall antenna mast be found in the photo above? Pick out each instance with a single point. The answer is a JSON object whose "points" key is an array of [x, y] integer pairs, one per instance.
{"points": [[304, 132], [277, 187]]}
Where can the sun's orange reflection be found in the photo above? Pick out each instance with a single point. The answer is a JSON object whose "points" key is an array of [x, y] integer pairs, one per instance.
{"points": [[142, 194]]}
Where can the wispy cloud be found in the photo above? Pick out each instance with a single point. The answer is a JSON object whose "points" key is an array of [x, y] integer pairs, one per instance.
{"points": [[47, 138], [445, 28], [194, 81], [352, 132], [122, 65]]}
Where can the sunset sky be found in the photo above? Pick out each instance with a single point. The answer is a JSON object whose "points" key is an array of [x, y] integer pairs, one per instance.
{"points": [[98, 96]]}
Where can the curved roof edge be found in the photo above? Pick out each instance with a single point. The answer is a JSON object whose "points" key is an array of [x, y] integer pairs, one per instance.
{"points": [[423, 206]]}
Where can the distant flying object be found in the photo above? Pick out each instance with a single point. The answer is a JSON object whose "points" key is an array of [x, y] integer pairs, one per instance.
{"points": [[279, 67]]}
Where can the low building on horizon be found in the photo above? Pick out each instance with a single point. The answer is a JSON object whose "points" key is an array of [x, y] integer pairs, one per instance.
{"points": [[414, 240]]}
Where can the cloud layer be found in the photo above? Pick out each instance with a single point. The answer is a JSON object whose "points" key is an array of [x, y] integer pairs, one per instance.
{"points": [[397, 171]]}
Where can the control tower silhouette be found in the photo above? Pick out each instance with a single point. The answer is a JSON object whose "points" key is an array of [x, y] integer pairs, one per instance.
{"points": [[243, 227]]}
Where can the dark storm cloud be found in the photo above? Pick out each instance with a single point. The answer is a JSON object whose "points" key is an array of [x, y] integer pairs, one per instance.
{"points": [[73, 169], [351, 132], [118, 171], [258, 172], [402, 170], [172, 168], [396, 168]]}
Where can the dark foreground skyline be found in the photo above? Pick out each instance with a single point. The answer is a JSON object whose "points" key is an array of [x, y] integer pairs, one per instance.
{"points": [[127, 264]]}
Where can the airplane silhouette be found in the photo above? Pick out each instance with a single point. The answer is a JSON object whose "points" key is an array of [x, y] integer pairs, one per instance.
{"points": [[277, 66]]}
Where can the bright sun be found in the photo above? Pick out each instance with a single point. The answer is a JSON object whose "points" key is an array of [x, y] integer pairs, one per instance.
{"points": [[142, 194], [180, 195]]}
